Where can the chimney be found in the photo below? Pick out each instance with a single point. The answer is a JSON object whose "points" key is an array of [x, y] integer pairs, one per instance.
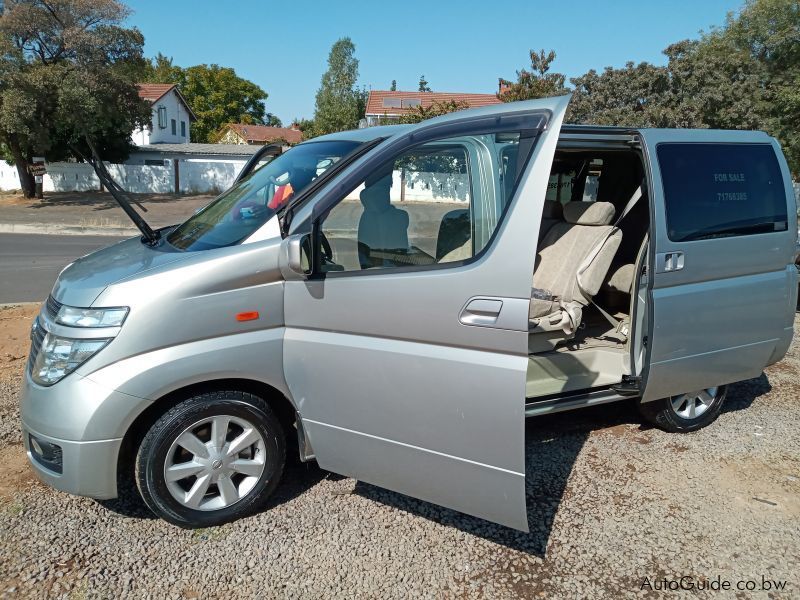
{"points": [[502, 86]]}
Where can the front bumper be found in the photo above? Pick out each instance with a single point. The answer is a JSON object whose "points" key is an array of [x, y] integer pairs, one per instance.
{"points": [[88, 468], [87, 422]]}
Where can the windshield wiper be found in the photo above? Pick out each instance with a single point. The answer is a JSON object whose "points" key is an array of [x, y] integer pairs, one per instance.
{"points": [[148, 235], [286, 212]]}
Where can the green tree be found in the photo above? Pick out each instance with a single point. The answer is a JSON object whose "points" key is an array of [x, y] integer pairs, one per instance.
{"points": [[393, 87], [538, 82], [161, 69], [423, 84], [272, 120], [713, 84], [67, 87], [216, 95], [339, 103], [765, 34], [635, 95]]}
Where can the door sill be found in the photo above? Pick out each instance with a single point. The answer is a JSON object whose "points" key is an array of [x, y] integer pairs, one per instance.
{"points": [[579, 399]]}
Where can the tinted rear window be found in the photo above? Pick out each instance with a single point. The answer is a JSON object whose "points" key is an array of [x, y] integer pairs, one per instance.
{"points": [[721, 190]]}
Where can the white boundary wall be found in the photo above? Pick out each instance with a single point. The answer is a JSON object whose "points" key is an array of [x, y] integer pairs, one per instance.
{"points": [[199, 176], [196, 176]]}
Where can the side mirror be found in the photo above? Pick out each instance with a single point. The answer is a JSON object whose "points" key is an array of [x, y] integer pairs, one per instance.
{"points": [[297, 253]]}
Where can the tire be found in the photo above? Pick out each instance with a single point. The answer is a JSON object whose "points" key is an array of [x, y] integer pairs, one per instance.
{"points": [[685, 412], [215, 477]]}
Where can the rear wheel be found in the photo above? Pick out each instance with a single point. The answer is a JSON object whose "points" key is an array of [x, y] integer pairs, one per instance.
{"points": [[211, 459], [685, 412]]}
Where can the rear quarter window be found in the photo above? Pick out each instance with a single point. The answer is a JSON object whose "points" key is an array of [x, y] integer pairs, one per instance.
{"points": [[721, 190]]}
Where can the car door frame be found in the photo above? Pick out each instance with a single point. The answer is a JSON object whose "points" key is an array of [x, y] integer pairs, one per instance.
{"points": [[488, 482]]}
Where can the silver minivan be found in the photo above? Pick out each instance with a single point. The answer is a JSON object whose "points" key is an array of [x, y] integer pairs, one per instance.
{"points": [[393, 302]]}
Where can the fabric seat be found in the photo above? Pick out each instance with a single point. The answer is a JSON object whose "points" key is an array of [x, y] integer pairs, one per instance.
{"points": [[382, 225], [454, 233], [571, 265], [553, 213], [621, 279]]}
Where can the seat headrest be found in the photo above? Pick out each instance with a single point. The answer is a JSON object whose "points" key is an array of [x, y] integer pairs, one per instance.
{"points": [[589, 213], [552, 210]]}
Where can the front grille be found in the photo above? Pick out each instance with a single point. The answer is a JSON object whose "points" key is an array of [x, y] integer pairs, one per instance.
{"points": [[52, 306], [37, 337]]}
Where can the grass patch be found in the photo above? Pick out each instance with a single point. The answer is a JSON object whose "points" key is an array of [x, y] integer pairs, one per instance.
{"points": [[210, 534]]}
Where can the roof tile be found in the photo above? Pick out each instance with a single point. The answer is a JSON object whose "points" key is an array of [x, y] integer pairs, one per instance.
{"points": [[153, 91], [264, 134], [375, 105]]}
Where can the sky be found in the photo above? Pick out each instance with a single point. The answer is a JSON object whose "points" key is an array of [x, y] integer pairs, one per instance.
{"points": [[459, 46]]}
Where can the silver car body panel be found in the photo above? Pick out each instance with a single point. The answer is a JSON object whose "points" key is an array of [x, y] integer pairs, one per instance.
{"points": [[83, 280], [393, 389], [728, 312]]}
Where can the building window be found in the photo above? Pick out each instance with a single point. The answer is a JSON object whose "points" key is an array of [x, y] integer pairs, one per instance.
{"points": [[391, 103], [410, 102], [162, 117], [153, 163], [174, 127], [183, 128]]}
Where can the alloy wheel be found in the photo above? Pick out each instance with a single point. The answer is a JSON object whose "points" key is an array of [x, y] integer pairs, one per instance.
{"points": [[693, 404], [215, 462]]}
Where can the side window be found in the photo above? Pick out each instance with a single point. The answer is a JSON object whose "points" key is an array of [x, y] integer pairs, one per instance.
{"points": [[721, 190], [416, 210]]}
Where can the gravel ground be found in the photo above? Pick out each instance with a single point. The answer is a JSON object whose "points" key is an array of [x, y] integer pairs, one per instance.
{"points": [[611, 502]]}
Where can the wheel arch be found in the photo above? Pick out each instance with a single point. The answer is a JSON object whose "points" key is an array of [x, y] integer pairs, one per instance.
{"points": [[282, 406]]}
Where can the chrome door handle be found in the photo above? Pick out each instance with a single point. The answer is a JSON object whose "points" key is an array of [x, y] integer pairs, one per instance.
{"points": [[667, 262], [481, 311]]}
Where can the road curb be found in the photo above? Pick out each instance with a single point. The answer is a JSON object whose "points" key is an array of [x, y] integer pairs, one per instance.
{"points": [[56, 229], [24, 304]]}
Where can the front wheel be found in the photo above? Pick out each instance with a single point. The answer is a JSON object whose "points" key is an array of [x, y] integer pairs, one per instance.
{"points": [[211, 459], [685, 412]]}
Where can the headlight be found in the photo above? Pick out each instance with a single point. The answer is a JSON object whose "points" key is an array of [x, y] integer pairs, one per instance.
{"points": [[91, 317], [60, 356]]}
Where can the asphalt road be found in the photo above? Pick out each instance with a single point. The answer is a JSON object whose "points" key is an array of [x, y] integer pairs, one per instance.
{"points": [[29, 264]]}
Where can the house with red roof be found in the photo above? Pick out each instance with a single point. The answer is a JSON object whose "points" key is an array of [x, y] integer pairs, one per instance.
{"points": [[171, 117], [384, 106], [259, 135]]}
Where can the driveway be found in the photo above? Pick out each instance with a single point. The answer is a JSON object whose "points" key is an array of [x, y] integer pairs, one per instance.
{"points": [[617, 509]]}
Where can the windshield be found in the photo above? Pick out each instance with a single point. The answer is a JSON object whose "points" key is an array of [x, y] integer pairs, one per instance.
{"points": [[245, 207]]}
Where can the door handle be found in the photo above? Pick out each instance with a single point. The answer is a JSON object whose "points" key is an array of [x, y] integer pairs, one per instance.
{"points": [[667, 262], [481, 312]]}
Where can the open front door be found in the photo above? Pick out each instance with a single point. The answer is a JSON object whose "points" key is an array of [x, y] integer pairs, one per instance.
{"points": [[406, 349], [723, 283]]}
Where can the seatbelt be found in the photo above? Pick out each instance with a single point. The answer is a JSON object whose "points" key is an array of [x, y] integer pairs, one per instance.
{"points": [[587, 262]]}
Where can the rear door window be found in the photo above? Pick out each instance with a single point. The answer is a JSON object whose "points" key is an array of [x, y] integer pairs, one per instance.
{"points": [[721, 190]]}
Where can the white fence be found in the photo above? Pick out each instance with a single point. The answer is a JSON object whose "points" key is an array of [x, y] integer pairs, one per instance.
{"points": [[200, 176], [195, 176]]}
